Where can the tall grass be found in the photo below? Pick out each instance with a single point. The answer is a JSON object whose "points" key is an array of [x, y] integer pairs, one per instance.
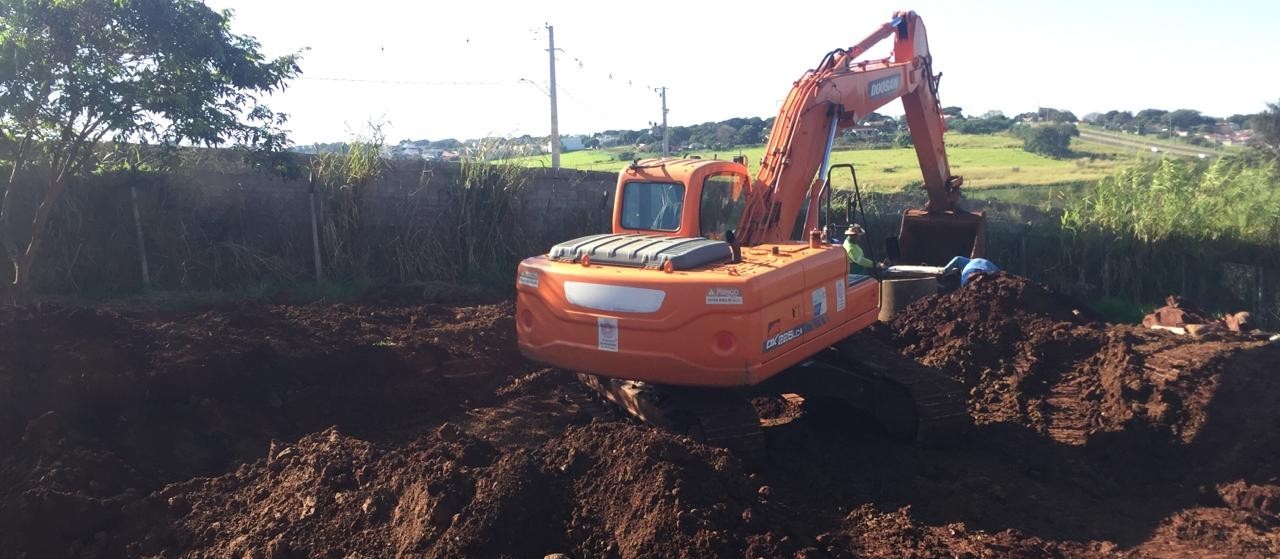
{"points": [[338, 180], [1208, 231], [488, 211], [1175, 198]]}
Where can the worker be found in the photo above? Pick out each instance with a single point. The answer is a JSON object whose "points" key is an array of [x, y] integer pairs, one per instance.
{"points": [[977, 266], [858, 264], [968, 267]]}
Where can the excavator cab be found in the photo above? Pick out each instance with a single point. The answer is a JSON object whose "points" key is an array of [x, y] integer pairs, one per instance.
{"points": [[680, 198]]}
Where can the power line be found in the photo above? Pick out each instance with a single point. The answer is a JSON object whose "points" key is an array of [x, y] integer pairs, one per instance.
{"points": [[405, 82]]}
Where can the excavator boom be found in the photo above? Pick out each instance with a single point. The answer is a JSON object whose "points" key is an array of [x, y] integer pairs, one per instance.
{"points": [[835, 95]]}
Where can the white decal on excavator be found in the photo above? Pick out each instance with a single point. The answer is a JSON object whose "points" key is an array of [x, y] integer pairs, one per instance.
{"points": [[529, 278], [607, 333], [724, 296], [839, 296], [819, 298], [884, 87]]}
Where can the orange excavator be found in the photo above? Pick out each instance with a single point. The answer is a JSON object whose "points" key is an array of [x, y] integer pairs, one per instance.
{"points": [[714, 287]]}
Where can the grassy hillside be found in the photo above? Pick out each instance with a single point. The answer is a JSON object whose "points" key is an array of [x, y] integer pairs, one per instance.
{"points": [[1147, 141], [985, 161]]}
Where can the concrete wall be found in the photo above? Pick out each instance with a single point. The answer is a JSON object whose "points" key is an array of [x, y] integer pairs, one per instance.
{"points": [[216, 223], [225, 186]]}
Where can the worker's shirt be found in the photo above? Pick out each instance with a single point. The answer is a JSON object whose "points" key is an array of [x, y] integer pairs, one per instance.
{"points": [[858, 264]]}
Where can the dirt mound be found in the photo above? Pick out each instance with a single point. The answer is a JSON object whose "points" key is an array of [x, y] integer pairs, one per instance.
{"points": [[99, 408], [595, 491], [1031, 358], [275, 431]]}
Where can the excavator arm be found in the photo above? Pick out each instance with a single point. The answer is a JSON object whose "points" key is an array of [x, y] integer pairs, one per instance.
{"points": [[835, 95]]}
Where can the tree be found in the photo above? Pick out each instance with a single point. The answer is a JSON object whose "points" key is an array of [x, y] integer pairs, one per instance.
{"points": [[77, 73], [1240, 120], [998, 123], [1049, 114], [447, 143], [955, 112], [1267, 125], [748, 135], [724, 135], [1148, 120], [1117, 120], [1187, 119], [1053, 140]]}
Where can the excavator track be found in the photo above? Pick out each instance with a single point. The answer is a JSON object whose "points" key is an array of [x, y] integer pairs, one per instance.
{"points": [[717, 417], [589, 402], [909, 402], [938, 403]]}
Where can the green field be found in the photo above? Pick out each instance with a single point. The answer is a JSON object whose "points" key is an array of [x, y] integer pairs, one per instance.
{"points": [[985, 161]]}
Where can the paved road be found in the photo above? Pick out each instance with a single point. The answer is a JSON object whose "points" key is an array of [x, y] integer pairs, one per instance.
{"points": [[1124, 142]]}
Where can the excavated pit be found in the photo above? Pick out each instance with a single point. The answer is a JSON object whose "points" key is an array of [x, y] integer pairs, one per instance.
{"points": [[261, 430]]}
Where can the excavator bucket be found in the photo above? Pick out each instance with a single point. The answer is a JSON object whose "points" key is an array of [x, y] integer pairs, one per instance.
{"points": [[933, 239]]}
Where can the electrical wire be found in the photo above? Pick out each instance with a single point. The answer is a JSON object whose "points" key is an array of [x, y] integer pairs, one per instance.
{"points": [[402, 82]]}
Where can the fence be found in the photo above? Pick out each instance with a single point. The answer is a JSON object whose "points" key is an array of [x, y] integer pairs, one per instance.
{"points": [[214, 223]]}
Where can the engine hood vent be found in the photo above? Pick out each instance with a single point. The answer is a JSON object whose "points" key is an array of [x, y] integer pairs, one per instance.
{"points": [[644, 251]]}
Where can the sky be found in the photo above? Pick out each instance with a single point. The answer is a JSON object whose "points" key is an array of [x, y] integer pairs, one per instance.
{"points": [[475, 68]]}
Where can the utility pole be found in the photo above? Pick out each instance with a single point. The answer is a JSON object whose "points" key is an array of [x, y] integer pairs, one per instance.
{"points": [[666, 137], [555, 118]]}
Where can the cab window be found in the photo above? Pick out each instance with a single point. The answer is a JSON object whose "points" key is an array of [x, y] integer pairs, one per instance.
{"points": [[721, 204], [652, 205]]}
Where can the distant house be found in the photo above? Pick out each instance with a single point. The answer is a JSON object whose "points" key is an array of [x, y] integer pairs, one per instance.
{"points": [[406, 152], [570, 143]]}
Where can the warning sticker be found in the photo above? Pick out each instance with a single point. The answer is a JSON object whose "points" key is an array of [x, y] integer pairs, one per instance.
{"points": [[839, 296], [724, 296], [819, 298], [528, 278], [607, 333]]}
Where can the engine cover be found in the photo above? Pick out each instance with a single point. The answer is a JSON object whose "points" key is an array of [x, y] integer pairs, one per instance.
{"points": [[644, 251]]}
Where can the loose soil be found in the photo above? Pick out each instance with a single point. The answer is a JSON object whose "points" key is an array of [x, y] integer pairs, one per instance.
{"points": [[276, 431]]}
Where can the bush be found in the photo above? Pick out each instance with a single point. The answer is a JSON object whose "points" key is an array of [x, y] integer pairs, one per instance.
{"points": [[998, 123], [1052, 140], [626, 155]]}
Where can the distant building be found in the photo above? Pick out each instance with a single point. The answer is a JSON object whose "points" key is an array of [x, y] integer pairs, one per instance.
{"points": [[570, 143]]}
